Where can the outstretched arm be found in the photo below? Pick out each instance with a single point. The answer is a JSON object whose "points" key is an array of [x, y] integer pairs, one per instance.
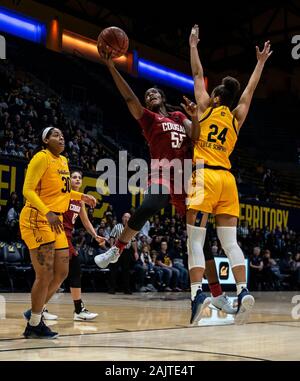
{"points": [[89, 227], [241, 111], [133, 103], [192, 126], [201, 95]]}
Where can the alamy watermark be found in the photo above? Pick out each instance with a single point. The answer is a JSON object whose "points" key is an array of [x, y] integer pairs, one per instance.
{"points": [[177, 177], [2, 47], [296, 309], [296, 49], [2, 307]]}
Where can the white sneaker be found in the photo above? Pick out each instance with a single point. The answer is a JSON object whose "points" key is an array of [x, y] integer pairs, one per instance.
{"points": [[47, 316], [110, 256], [222, 302], [84, 315]]}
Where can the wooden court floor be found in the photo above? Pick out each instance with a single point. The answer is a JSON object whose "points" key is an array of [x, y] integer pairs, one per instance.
{"points": [[153, 326]]}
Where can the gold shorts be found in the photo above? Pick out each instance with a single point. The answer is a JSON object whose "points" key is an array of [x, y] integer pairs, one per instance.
{"points": [[216, 192], [36, 231]]}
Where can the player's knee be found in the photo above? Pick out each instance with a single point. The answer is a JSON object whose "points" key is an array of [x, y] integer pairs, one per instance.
{"points": [[43, 279], [196, 238], [233, 253], [227, 237]]}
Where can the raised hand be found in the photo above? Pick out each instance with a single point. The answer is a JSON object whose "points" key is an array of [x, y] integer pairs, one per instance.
{"points": [[194, 36], [105, 56], [263, 55], [190, 107]]}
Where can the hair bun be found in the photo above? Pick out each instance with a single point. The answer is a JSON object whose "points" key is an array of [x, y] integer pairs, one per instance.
{"points": [[231, 84]]}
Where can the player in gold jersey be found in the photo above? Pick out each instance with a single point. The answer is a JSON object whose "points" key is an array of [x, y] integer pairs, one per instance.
{"points": [[214, 141], [47, 189]]}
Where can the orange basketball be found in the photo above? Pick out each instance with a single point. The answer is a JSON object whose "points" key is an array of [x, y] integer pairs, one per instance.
{"points": [[114, 40]]}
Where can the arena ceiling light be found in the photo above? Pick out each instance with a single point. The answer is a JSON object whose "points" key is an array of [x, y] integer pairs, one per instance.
{"points": [[161, 74], [20, 26], [84, 47]]}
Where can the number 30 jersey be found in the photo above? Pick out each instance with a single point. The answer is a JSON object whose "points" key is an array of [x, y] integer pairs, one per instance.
{"points": [[218, 136], [47, 185]]}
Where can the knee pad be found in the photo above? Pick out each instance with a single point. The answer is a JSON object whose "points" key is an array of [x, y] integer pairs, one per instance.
{"points": [[227, 237], [75, 273], [195, 243]]}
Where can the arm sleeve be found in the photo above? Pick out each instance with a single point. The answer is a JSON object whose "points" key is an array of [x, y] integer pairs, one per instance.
{"points": [[36, 168], [147, 119], [75, 195]]}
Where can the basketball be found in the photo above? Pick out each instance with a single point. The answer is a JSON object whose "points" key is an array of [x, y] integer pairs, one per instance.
{"points": [[114, 40]]}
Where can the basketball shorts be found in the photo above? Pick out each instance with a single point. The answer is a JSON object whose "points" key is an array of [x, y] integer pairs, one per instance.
{"points": [[36, 231], [213, 191], [72, 250]]}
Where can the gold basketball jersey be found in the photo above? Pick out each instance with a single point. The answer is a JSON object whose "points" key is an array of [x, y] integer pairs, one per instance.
{"points": [[218, 135]]}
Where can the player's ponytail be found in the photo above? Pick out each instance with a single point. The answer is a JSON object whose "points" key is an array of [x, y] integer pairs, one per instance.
{"points": [[227, 91]]}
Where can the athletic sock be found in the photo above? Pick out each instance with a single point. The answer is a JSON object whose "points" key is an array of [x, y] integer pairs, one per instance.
{"points": [[35, 319], [240, 287], [194, 288], [78, 304], [121, 245], [215, 289]]}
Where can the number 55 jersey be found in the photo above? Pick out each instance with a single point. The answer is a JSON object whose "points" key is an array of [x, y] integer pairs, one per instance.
{"points": [[167, 140]]}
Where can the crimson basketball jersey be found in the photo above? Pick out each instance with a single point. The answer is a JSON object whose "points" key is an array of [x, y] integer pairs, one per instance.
{"points": [[167, 140], [166, 136], [70, 215]]}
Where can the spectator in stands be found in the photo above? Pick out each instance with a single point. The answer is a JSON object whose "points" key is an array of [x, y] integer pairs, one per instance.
{"points": [[243, 230], [79, 240], [270, 272], [286, 269], [109, 214], [142, 267], [12, 221], [296, 270], [172, 275], [106, 228], [256, 267], [268, 184], [179, 260], [126, 261]]}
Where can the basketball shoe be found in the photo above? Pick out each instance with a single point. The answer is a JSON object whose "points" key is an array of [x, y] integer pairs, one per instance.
{"points": [[41, 331], [45, 315], [198, 305], [110, 256], [245, 305], [222, 302], [84, 315]]}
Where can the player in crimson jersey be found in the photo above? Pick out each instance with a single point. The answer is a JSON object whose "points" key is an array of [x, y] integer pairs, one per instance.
{"points": [[76, 208], [169, 136]]}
